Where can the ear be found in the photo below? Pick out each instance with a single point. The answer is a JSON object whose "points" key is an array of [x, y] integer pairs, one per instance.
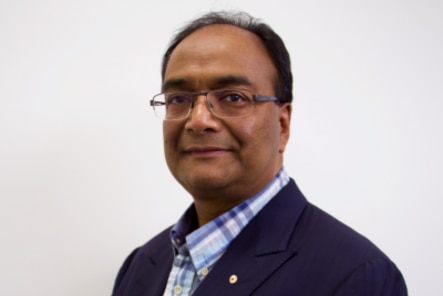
{"points": [[285, 125]]}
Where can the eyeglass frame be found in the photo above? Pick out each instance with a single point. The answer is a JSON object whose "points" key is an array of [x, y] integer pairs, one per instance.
{"points": [[255, 98]]}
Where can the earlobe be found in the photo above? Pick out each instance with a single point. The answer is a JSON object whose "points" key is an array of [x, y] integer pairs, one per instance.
{"points": [[285, 125]]}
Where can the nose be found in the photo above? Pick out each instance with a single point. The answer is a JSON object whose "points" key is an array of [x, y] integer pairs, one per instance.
{"points": [[201, 119]]}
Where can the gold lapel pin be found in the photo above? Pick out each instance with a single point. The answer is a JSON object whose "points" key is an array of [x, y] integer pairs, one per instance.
{"points": [[233, 279]]}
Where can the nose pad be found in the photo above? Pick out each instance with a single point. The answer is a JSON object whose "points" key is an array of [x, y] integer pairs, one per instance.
{"points": [[209, 105]]}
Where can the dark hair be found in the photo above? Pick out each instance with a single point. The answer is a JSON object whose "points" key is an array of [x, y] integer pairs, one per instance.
{"points": [[273, 43]]}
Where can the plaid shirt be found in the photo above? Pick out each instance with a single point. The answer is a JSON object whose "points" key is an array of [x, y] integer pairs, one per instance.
{"points": [[198, 249]]}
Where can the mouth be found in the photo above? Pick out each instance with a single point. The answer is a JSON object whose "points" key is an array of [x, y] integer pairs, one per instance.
{"points": [[206, 151]]}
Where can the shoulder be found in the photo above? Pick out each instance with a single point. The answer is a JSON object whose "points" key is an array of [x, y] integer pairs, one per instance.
{"points": [[327, 251], [157, 241], [342, 258], [319, 227], [319, 230], [153, 247]]}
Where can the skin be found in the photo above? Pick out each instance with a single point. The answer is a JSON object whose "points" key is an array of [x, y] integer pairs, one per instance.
{"points": [[222, 162]]}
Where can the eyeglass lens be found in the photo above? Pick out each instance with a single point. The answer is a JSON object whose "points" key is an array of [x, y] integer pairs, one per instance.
{"points": [[222, 103]]}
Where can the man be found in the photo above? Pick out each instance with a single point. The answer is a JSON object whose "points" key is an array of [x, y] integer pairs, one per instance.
{"points": [[226, 105]]}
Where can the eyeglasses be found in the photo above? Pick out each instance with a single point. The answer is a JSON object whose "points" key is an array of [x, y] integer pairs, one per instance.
{"points": [[223, 103]]}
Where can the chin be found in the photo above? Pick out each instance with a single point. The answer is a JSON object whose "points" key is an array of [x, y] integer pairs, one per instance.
{"points": [[209, 181]]}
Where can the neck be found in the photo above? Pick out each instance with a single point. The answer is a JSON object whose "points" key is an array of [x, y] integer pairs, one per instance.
{"points": [[209, 204]]}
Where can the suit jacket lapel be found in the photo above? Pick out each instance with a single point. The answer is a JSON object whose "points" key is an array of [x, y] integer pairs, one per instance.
{"points": [[260, 249], [162, 263], [152, 267]]}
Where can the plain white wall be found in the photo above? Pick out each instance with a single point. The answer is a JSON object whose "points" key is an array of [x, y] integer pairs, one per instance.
{"points": [[82, 175]]}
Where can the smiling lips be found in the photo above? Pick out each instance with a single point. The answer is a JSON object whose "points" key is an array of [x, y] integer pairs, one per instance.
{"points": [[206, 151]]}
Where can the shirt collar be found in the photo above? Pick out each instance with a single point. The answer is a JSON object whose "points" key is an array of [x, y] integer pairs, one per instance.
{"points": [[207, 243]]}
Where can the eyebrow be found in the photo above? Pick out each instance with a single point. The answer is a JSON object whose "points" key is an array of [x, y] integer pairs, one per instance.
{"points": [[178, 83], [232, 80], [217, 82]]}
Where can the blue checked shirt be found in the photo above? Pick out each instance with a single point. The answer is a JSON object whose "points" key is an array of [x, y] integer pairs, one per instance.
{"points": [[198, 249]]}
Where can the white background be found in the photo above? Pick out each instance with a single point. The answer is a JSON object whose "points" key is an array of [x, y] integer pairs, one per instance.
{"points": [[82, 175]]}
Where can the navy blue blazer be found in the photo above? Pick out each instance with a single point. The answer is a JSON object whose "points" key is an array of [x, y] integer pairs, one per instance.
{"points": [[290, 248]]}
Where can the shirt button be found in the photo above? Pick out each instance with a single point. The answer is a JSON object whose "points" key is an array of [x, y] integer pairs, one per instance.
{"points": [[178, 290], [204, 271]]}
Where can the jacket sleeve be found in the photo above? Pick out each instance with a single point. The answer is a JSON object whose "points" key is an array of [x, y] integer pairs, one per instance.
{"points": [[379, 277]]}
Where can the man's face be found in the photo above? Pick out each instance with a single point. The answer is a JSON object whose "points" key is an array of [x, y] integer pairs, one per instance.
{"points": [[224, 160]]}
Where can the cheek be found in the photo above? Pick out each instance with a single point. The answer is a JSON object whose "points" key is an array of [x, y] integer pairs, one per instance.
{"points": [[171, 134], [259, 137]]}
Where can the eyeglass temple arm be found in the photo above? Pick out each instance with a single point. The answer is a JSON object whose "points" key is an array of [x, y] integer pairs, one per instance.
{"points": [[156, 103], [265, 98]]}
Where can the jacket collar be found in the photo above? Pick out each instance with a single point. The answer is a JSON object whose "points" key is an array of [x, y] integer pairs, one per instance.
{"points": [[261, 248]]}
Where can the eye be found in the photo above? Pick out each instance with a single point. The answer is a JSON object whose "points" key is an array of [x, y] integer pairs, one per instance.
{"points": [[233, 97], [177, 99]]}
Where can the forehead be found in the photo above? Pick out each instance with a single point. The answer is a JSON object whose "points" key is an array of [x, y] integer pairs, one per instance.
{"points": [[218, 51]]}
